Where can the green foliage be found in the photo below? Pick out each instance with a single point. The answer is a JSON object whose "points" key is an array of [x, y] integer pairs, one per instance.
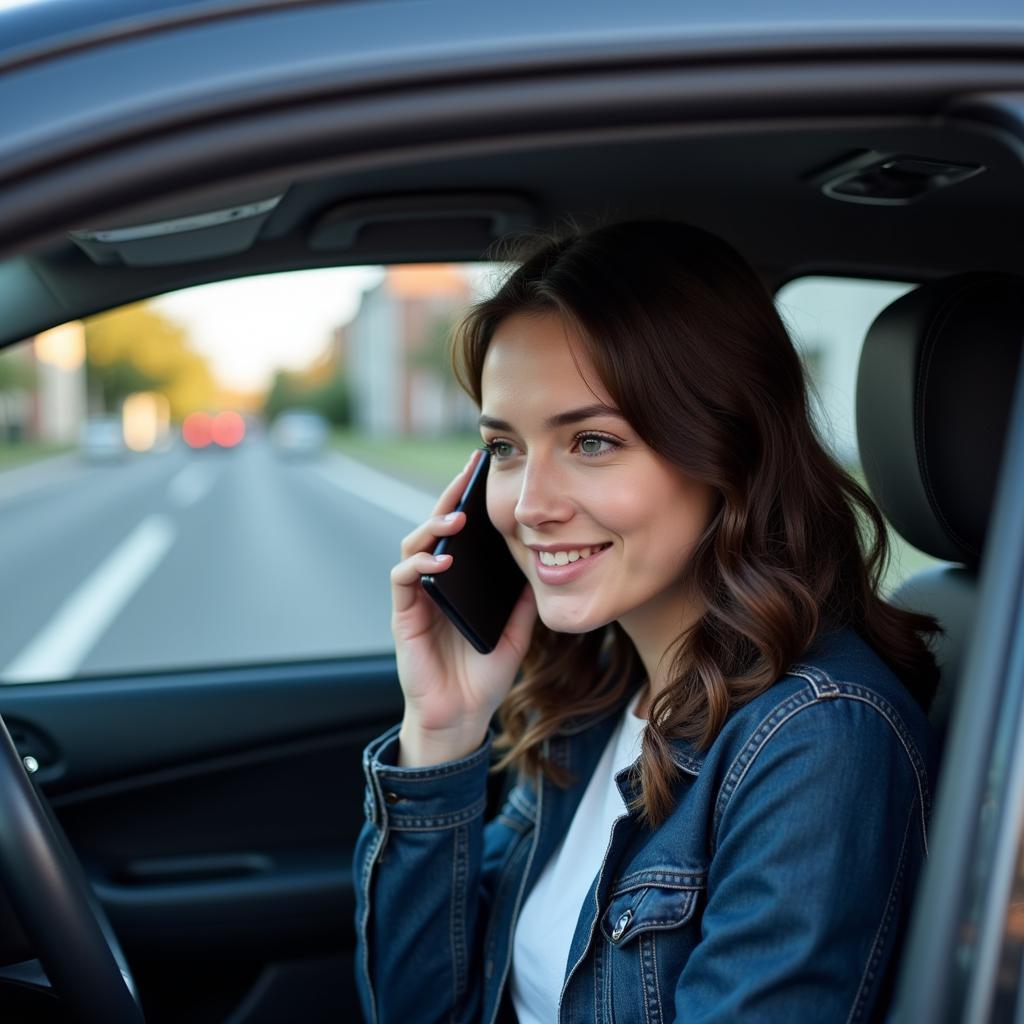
{"points": [[17, 377], [434, 352], [333, 402], [290, 391], [429, 462], [135, 348], [16, 372], [114, 382], [15, 452], [285, 393]]}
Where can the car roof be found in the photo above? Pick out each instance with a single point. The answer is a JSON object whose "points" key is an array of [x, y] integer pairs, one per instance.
{"points": [[37, 27], [402, 131]]}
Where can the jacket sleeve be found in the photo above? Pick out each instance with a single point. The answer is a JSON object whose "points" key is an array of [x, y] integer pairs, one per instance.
{"points": [[422, 875], [819, 835]]}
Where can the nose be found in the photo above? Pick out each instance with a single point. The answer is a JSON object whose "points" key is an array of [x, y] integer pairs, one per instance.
{"points": [[543, 496]]}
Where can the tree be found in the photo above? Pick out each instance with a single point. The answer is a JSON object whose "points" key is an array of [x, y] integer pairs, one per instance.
{"points": [[333, 402], [330, 398], [286, 392], [135, 348], [434, 351]]}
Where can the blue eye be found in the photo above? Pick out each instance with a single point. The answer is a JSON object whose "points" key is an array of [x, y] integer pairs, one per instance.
{"points": [[500, 449], [595, 444]]}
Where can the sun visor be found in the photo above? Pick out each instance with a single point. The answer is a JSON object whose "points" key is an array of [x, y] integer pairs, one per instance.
{"points": [[196, 236]]}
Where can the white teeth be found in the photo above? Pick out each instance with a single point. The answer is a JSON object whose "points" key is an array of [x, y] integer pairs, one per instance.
{"points": [[565, 557]]}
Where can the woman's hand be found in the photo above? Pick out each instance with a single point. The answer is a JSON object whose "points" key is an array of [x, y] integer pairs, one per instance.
{"points": [[451, 690]]}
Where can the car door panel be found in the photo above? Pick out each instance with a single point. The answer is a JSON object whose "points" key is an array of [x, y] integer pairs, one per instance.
{"points": [[216, 814]]}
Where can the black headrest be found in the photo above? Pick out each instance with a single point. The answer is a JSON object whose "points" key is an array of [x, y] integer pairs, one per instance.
{"points": [[934, 391]]}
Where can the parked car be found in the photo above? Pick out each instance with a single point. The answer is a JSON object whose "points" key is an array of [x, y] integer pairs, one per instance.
{"points": [[299, 432], [210, 809], [101, 439]]}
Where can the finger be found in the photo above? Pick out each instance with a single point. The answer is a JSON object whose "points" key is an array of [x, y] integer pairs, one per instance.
{"points": [[453, 492], [405, 578], [424, 538]]}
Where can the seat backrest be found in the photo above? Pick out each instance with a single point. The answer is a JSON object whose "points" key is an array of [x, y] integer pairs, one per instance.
{"points": [[934, 393]]}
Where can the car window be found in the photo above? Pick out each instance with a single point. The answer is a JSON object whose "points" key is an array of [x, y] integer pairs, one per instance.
{"points": [[223, 475], [828, 319]]}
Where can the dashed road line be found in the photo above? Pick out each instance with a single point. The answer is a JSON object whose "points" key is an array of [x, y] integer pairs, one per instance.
{"points": [[191, 484]]}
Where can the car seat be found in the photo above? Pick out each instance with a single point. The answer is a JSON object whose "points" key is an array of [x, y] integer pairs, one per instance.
{"points": [[934, 395]]}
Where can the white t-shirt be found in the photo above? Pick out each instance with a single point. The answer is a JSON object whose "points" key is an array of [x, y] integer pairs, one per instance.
{"points": [[540, 948]]}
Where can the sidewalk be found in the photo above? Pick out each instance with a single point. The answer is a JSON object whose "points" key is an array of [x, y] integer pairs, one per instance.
{"points": [[23, 477], [427, 464]]}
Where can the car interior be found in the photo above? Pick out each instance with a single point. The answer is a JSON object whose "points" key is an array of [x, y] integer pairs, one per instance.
{"points": [[214, 811]]}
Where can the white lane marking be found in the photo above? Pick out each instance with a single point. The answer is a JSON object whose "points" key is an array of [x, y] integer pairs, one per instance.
{"points": [[63, 643], [191, 484], [379, 489]]}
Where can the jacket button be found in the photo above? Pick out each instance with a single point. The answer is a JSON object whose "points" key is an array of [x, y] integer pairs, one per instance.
{"points": [[621, 925], [392, 798]]}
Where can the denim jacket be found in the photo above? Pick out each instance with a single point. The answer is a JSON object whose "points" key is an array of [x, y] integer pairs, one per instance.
{"points": [[778, 889]]}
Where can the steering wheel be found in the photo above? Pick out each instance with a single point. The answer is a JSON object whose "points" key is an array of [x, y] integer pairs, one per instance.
{"points": [[55, 905]]}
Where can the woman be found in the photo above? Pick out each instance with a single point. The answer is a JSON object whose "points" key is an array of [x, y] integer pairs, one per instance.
{"points": [[723, 762]]}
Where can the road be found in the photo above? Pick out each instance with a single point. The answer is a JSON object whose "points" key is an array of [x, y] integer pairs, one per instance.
{"points": [[184, 559]]}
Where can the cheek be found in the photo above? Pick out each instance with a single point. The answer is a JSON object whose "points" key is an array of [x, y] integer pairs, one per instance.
{"points": [[625, 507], [502, 496], [664, 515], [692, 507]]}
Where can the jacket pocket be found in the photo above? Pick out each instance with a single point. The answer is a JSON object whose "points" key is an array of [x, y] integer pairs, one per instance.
{"points": [[651, 901], [651, 925]]}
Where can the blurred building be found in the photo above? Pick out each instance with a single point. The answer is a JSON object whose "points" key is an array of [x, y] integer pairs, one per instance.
{"points": [[60, 399], [394, 352], [45, 396], [17, 382]]}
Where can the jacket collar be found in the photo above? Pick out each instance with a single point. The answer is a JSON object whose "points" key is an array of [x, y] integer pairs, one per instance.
{"points": [[683, 757], [686, 757]]}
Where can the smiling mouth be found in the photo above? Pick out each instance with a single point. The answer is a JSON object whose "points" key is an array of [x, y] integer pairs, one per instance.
{"points": [[569, 555]]}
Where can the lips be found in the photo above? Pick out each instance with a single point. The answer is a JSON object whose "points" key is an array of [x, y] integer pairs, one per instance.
{"points": [[572, 568]]}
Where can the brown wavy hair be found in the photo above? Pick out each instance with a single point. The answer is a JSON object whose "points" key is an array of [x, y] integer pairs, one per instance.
{"points": [[689, 345]]}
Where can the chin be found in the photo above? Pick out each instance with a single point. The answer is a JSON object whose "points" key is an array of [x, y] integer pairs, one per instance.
{"points": [[561, 620]]}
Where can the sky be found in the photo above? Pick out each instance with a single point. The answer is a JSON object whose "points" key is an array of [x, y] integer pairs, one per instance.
{"points": [[252, 327]]}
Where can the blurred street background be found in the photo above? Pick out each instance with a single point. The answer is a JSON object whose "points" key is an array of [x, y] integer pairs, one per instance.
{"points": [[224, 475]]}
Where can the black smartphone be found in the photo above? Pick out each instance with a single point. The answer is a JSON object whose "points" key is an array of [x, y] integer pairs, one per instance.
{"points": [[480, 588]]}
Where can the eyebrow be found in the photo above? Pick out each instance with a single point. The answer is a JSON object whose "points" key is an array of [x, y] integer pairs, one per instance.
{"points": [[561, 419]]}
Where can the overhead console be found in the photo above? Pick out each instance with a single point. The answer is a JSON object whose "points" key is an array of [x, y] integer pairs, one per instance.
{"points": [[200, 235]]}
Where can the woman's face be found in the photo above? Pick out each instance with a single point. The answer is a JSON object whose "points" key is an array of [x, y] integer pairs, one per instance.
{"points": [[571, 484]]}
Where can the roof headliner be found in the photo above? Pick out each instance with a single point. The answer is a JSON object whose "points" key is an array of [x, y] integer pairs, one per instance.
{"points": [[728, 147]]}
